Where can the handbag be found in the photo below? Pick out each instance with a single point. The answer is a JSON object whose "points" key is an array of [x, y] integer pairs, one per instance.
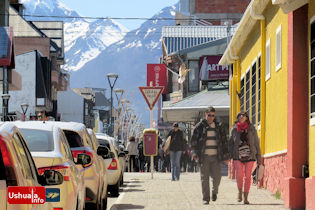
{"points": [[258, 174], [167, 144]]}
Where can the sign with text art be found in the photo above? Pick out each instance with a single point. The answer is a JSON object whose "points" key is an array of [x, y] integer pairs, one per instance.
{"points": [[156, 73], [151, 95], [211, 70]]}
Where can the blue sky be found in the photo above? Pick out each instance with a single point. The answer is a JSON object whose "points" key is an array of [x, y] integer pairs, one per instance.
{"points": [[119, 9]]}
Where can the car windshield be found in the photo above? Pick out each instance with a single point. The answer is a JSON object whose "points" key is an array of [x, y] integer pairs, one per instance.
{"points": [[38, 140]]}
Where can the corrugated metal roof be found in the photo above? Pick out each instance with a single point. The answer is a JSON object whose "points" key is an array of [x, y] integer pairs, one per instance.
{"points": [[215, 98]]}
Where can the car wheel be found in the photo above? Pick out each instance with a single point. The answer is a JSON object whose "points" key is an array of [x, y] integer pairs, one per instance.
{"points": [[115, 190]]}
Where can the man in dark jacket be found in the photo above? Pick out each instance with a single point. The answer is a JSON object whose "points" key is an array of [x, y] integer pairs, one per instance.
{"points": [[209, 145], [176, 149]]}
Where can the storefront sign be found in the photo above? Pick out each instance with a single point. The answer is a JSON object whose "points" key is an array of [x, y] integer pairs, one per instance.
{"points": [[211, 70], [156, 73]]}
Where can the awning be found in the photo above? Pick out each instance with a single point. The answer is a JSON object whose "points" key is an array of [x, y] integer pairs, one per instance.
{"points": [[191, 108], [7, 47]]}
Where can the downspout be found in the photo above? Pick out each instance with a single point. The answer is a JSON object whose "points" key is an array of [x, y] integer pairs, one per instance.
{"points": [[231, 94], [236, 83], [262, 79]]}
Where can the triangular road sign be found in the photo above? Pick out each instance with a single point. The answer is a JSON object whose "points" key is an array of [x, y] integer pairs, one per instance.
{"points": [[151, 94]]}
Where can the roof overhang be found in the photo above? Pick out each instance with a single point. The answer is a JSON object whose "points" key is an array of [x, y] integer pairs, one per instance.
{"points": [[250, 17], [191, 109], [7, 47]]}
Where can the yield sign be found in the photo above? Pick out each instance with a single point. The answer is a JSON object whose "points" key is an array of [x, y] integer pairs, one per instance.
{"points": [[151, 94]]}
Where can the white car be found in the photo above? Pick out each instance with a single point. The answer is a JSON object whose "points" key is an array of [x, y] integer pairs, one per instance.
{"points": [[50, 150], [17, 168], [95, 177], [113, 164]]}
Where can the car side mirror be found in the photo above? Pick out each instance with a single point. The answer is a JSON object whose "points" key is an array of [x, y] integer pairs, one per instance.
{"points": [[84, 159], [126, 152], [51, 177], [102, 150], [109, 155]]}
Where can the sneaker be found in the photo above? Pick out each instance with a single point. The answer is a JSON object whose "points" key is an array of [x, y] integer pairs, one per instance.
{"points": [[214, 197], [205, 202]]}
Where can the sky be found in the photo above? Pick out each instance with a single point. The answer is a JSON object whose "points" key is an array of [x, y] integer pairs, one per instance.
{"points": [[119, 9]]}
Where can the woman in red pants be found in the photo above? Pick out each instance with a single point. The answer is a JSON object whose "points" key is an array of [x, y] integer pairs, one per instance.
{"points": [[245, 150]]}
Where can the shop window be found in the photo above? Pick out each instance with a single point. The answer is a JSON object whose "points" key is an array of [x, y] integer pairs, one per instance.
{"points": [[242, 94], [247, 91], [259, 89], [267, 66], [254, 93], [193, 76], [278, 48], [312, 92]]}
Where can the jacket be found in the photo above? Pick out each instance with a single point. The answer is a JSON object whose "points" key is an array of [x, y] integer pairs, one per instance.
{"points": [[198, 140], [253, 144], [132, 148], [177, 140]]}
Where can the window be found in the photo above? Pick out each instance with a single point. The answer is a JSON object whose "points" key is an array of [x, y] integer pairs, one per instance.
{"points": [[247, 92], [278, 48], [254, 92], [242, 95], [193, 76], [38, 140], [259, 88], [73, 138], [312, 45], [267, 60]]}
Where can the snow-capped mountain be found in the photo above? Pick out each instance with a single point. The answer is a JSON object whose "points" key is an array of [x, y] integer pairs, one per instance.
{"points": [[83, 40]]}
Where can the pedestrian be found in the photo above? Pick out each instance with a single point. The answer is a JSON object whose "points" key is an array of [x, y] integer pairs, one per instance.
{"points": [[132, 148], [141, 157], [210, 147], [245, 150], [176, 149]]}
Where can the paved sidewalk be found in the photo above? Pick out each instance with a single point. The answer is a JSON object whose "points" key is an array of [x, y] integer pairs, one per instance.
{"points": [[142, 192]]}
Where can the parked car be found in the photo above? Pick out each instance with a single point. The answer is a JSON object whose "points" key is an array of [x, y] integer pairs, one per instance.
{"points": [[95, 178], [112, 161], [50, 150], [17, 168]]}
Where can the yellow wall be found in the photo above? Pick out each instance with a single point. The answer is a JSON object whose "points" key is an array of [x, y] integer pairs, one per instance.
{"points": [[311, 9], [276, 86]]}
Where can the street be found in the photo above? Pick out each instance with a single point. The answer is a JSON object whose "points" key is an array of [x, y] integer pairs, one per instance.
{"points": [[142, 192]]}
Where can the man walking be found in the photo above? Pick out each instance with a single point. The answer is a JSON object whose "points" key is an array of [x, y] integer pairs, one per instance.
{"points": [[209, 145]]}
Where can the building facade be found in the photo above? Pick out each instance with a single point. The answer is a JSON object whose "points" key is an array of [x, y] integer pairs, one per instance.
{"points": [[271, 53]]}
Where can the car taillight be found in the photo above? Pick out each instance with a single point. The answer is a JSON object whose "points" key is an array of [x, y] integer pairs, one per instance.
{"points": [[8, 163], [63, 169], [76, 152], [113, 164], [58, 208]]}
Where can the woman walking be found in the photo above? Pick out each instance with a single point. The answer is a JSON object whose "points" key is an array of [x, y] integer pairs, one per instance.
{"points": [[132, 148], [245, 150]]}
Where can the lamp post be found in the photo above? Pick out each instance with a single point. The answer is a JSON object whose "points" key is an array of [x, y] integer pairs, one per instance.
{"points": [[119, 93], [112, 78], [5, 105], [24, 108]]}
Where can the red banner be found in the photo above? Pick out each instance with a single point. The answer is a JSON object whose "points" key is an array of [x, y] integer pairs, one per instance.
{"points": [[211, 70], [26, 195], [156, 73]]}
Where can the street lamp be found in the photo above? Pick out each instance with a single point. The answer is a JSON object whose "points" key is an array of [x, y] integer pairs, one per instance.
{"points": [[5, 105], [112, 78], [119, 93], [24, 108]]}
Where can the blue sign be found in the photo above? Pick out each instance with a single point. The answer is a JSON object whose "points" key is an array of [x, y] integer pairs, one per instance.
{"points": [[52, 195]]}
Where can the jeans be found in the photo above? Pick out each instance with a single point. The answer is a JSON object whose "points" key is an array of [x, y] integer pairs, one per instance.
{"points": [[175, 164], [210, 167], [243, 172]]}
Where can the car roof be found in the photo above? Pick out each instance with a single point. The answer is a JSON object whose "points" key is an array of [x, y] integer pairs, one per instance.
{"points": [[35, 125], [7, 127], [74, 126]]}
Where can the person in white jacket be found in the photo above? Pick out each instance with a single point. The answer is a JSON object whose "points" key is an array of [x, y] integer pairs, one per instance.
{"points": [[132, 147]]}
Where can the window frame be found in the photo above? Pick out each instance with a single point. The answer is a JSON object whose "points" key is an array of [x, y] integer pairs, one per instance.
{"points": [[278, 59], [258, 90], [254, 63], [242, 93], [312, 59], [267, 74], [248, 109]]}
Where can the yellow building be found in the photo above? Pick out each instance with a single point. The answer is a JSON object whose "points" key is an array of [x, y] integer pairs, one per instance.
{"points": [[273, 58]]}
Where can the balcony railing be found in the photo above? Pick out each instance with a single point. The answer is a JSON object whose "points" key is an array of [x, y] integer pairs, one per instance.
{"points": [[182, 37]]}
